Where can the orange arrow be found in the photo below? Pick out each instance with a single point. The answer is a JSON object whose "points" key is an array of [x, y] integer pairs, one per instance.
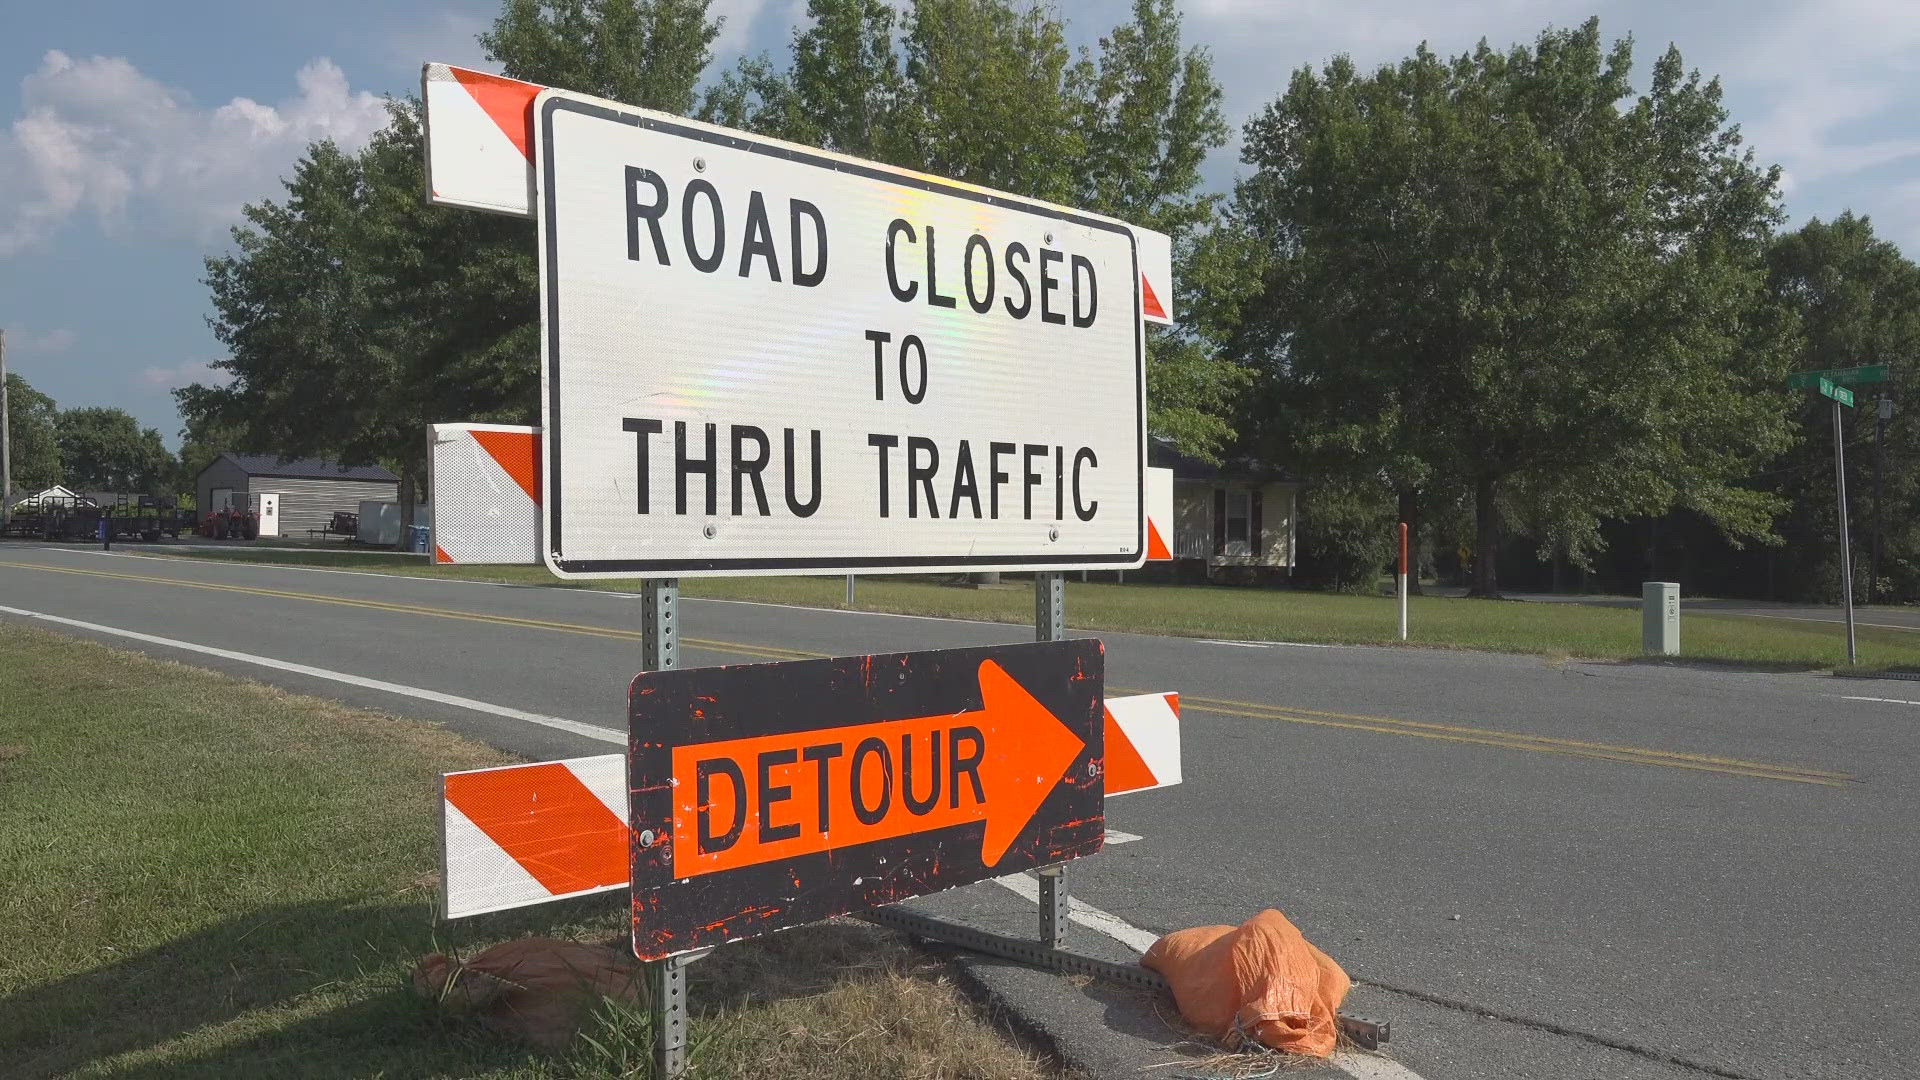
{"points": [[747, 801]]}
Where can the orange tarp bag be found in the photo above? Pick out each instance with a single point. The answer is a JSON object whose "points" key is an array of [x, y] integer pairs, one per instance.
{"points": [[1261, 981]]}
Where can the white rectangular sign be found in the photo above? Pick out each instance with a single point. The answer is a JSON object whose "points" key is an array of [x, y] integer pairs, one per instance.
{"points": [[763, 358]]}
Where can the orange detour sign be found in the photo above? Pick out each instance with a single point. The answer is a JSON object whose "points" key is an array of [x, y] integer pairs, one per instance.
{"points": [[771, 795], [520, 835]]}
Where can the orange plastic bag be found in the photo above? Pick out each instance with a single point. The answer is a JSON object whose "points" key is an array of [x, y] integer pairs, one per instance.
{"points": [[1261, 980]]}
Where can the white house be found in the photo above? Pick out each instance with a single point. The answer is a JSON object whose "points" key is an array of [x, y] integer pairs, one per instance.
{"points": [[1232, 523]]}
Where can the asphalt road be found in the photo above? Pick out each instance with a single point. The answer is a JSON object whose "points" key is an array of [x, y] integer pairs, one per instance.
{"points": [[1535, 869]]}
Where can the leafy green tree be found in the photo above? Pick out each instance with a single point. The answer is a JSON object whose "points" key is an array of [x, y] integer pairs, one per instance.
{"points": [[987, 91], [32, 436], [1858, 300], [650, 53], [107, 450], [355, 315], [1507, 275]]}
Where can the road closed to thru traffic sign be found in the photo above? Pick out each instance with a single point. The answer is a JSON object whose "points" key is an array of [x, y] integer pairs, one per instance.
{"points": [[772, 795], [759, 357]]}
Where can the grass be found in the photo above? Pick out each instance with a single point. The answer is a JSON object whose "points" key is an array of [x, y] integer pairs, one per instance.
{"points": [[1570, 630], [206, 877]]}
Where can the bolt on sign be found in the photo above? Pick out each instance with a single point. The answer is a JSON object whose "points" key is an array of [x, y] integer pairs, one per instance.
{"points": [[759, 357], [772, 795]]}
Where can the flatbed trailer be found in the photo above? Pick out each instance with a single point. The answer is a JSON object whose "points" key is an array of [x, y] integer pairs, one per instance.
{"points": [[145, 517]]}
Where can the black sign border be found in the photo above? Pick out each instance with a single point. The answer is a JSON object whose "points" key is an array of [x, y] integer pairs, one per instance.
{"points": [[550, 103], [672, 915]]}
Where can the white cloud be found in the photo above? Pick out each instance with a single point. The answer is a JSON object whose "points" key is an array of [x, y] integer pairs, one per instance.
{"points": [[183, 374], [95, 136], [21, 339], [742, 16]]}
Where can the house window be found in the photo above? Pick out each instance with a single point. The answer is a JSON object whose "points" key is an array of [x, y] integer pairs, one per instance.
{"points": [[1239, 518]]}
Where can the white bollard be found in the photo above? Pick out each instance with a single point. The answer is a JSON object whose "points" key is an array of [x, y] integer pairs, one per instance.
{"points": [[1660, 618]]}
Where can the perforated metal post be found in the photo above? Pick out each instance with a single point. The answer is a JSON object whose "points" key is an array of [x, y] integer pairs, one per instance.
{"points": [[660, 624], [1049, 607], [667, 1000], [1050, 624], [666, 979]]}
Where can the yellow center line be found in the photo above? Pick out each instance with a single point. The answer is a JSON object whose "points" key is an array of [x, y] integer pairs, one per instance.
{"points": [[1387, 725], [1547, 740], [766, 652]]}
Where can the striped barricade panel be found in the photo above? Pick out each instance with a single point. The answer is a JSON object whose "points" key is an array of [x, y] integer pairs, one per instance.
{"points": [[485, 480], [521, 835], [479, 131]]}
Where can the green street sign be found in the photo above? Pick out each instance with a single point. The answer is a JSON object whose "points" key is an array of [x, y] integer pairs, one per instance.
{"points": [[1838, 393], [1846, 376]]}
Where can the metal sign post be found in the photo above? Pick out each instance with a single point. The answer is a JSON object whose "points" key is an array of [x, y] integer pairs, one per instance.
{"points": [[666, 979], [1050, 624], [1833, 383], [1846, 549]]}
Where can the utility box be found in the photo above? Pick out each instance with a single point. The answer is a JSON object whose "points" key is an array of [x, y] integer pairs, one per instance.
{"points": [[1660, 618]]}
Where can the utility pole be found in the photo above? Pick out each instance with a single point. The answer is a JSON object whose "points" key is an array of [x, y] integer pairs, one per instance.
{"points": [[6, 443]]}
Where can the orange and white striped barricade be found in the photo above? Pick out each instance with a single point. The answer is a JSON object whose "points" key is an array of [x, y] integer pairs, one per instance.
{"points": [[522, 835], [479, 131], [485, 485]]}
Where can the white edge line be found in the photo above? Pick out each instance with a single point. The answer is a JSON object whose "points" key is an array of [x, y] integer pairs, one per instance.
{"points": [[1808, 618], [1882, 700], [1086, 915], [589, 591], [570, 726], [1371, 1067], [1079, 911]]}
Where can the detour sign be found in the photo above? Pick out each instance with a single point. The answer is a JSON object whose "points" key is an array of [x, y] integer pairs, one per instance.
{"points": [[771, 795]]}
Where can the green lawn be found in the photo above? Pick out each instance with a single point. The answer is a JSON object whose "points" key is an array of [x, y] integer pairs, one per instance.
{"points": [[1243, 614], [205, 877]]}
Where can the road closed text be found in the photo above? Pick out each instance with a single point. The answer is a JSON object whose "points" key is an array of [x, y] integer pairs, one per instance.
{"points": [[776, 349]]}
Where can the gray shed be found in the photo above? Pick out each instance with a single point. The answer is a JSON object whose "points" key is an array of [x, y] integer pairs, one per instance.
{"points": [[310, 489]]}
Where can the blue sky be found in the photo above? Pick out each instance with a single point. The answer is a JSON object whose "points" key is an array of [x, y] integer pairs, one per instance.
{"points": [[131, 132]]}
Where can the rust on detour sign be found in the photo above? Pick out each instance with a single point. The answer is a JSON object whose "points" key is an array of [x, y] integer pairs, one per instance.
{"points": [[766, 796]]}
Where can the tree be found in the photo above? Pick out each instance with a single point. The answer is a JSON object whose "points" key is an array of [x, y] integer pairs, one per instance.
{"points": [[1505, 275], [1858, 301], [650, 53], [107, 450], [355, 315], [32, 436], [988, 92]]}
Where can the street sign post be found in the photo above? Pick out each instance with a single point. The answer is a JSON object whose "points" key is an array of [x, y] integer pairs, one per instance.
{"points": [[1846, 376], [761, 358], [1828, 383], [767, 796]]}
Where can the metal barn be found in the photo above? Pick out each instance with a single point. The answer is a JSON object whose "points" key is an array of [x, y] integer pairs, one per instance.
{"points": [[310, 489]]}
